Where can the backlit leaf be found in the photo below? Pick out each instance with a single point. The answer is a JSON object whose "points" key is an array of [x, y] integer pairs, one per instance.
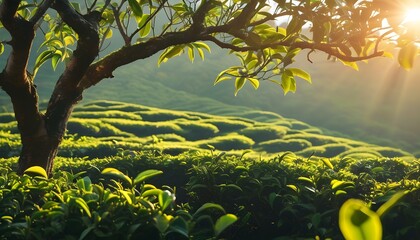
{"points": [[116, 173], [146, 175], [255, 82], [135, 7], [224, 222], [407, 55], [239, 83], [300, 73], [358, 222], [207, 206], [36, 171], [390, 203]]}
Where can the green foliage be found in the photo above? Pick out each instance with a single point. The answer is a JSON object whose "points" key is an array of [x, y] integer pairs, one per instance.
{"points": [[265, 133], [281, 145], [228, 142], [72, 206]]}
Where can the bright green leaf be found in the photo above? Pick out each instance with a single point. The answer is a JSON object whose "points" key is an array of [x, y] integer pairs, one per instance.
{"points": [[116, 173], [1, 48], [407, 55], [207, 206], [327, 163], [300, 73], [202, 45], [141, 177], [239, 83], [54, 60], [36, 171], [135, 7], [390, 203], [255, 82], [165, 199], [224, 222], [350, 64], [358, 222], [82, 204]]}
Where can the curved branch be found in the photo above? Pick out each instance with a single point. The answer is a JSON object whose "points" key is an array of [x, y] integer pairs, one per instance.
{"points": [[327, 48], [104, 68], [45, 5]]}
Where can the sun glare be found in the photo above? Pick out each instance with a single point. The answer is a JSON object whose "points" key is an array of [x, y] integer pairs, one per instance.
{"points": [[412, 15]]}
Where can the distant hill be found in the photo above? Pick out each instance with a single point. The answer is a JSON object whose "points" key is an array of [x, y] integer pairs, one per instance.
{"points": [[106, 128], [374, 105]]}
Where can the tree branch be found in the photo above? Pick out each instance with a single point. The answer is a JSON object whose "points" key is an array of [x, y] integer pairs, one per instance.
{"points": [[66, 93], [45, 5], [104, 68], [14, 79], [327, 48]]}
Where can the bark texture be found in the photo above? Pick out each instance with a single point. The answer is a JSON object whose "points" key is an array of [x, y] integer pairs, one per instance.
{"points": [[42, 134]]}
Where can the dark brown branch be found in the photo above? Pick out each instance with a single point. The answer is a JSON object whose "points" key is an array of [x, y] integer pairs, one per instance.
{"points": [[128, 54], [66, 94], [327, 48], [245, 16], [200, 15], [45, 5]]}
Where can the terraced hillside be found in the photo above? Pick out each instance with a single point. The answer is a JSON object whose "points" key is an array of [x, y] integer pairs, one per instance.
{"points": [[107, 128]]}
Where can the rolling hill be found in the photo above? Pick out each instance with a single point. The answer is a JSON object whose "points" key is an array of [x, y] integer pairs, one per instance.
{"points": [[100, 129]]}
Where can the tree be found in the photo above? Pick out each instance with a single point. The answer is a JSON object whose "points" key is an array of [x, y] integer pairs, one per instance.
{"points": [[265, 35]]}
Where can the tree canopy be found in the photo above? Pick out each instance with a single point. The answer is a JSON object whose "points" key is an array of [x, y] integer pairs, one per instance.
{"points": [[266, 36]]}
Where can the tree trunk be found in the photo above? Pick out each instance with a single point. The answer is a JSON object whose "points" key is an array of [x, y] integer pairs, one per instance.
{"points": [[42, 134]]}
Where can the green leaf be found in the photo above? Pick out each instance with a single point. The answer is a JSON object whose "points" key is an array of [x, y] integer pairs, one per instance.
{"points": [[202, 45], [41, 59], [358, 222], [180, 226], [293, 187], [305, 179], [165, 199], [207, 206], [1, 48], [116, 173], [150, 192], [145, 25], [162, 222], [135, 7], [54, 60], [407, 55], [224, 222], [300, 73], [36, 171], [255, 82], [83, 205], [84, 234], [390, 203], [350, 64], [287, 81], [191, 54], [170, 52], [220, 77], [127, 196], [141, 177], [239, 83], [327, 163], [338, 184]]}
